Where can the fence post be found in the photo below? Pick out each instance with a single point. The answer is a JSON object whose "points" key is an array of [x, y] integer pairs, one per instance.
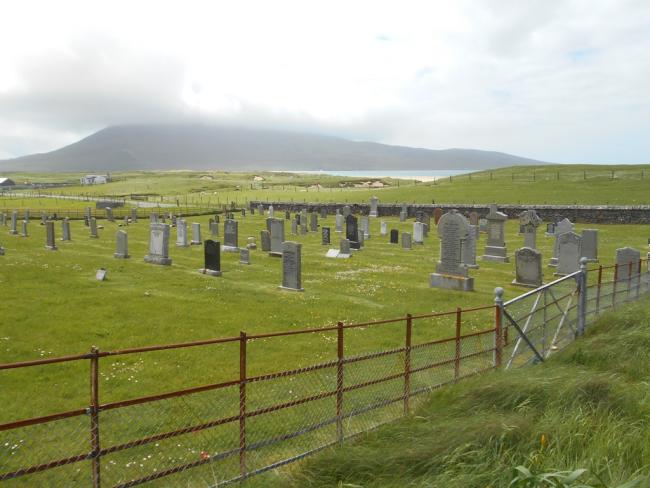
{"points": [[407, 364], [614, 285], [638, 279], [339, 384], [600, 284], [498, 323], [629, 280], [457, 356], [582, 297], [242, 404], [94, 415]]}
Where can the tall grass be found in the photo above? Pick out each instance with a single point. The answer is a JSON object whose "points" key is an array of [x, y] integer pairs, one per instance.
{"points": [[588, 408]]}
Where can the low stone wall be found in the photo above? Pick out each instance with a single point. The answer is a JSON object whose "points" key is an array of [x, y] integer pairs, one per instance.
{"points": [[588, 214]]}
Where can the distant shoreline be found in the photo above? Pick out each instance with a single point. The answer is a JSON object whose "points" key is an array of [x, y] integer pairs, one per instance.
{"points": [[419, 175]]}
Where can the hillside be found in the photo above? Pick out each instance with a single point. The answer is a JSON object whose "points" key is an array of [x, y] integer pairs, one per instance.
{"points": [[586, 408], [191, 146]]}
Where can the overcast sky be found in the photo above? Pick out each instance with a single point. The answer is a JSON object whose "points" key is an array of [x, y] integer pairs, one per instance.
{"points": [[562, 81]]}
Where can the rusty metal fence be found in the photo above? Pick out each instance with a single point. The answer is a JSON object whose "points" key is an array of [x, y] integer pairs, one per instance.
{"points": [[255, 419]]}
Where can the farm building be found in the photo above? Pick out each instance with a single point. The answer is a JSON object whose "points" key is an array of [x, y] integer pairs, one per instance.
{"points": [[95, 179], [6, 182]]}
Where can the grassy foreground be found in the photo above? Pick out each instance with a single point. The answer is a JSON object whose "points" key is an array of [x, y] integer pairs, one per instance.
{"points": [[586, 408]]}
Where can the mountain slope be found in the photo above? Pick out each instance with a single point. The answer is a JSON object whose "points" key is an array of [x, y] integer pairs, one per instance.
{"points": [[192, 146]]}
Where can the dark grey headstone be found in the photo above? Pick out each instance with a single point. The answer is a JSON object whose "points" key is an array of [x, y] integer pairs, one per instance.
{"points": [[291, 266], [212, 258], [394, 236]]}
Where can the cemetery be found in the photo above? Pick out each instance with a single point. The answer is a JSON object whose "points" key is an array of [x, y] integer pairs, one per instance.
{"points": [[263, 269]]}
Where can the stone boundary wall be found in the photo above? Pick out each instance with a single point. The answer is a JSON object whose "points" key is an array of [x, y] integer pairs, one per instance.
{"points": [[587, 214]]}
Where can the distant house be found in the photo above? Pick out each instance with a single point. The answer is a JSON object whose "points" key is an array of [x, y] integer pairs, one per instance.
{"points": [[95, 179], [6, 182]]}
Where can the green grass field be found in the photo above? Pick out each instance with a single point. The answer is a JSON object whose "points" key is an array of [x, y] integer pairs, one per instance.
{"points": [[52, 305], [586, 408], [561, 184]]}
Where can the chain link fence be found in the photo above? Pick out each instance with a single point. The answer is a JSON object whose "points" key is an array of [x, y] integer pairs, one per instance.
{"points": [[260, 419]]}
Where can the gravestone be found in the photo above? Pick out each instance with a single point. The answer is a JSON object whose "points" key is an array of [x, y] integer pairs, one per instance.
{"points": [[313, 222], [528, 222], [303, 224], [451, 273], [325, 237], [265, 239], [346, 211], [244, 256], [374, 201], [121, 245], [287, 215], [153, 218], [109, 214], [24, 232], [294, 227], [473, 218], [93, 228], [568, 253], [230, 236], [196, 234], [344, 249], [495, 249], [271, 211], [528, 267], [626, 258], [181, 233], [394, 236], [250, 243], [418, 233], [407, 241], [214, 229], [158, 245], [550, 229], [560, 228], [365, 226], [468, 251], [323, 213], [43, 218], [50, 240], [564, 225], [216, 219], [360, 238], [425, 229], [65, 230], [252, 209], [243, 213], [291, 266], [277, 237], [352, 231], [339, 222], [134, 215], [211, 258], [590, 245], [14, 223], [403, 215], [260, 209], [437, 215], [383, 228]]}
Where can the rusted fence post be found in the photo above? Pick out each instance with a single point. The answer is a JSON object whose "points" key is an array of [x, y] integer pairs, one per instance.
{"points": [[94, 416], [498, 324], [242, 404], [614, 285], [598, 288], [457, 353], [629, 280], [339, 384], [407, 364], [638, 279]]}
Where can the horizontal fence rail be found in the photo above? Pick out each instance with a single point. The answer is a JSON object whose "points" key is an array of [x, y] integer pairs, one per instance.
{"points": [[253, 421]]}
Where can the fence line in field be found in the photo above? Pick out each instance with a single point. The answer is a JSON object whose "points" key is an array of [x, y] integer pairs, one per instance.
{"points": [[230, 430]]}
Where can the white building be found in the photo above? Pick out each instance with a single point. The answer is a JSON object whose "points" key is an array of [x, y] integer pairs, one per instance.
{"points": [[95, 179]]}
